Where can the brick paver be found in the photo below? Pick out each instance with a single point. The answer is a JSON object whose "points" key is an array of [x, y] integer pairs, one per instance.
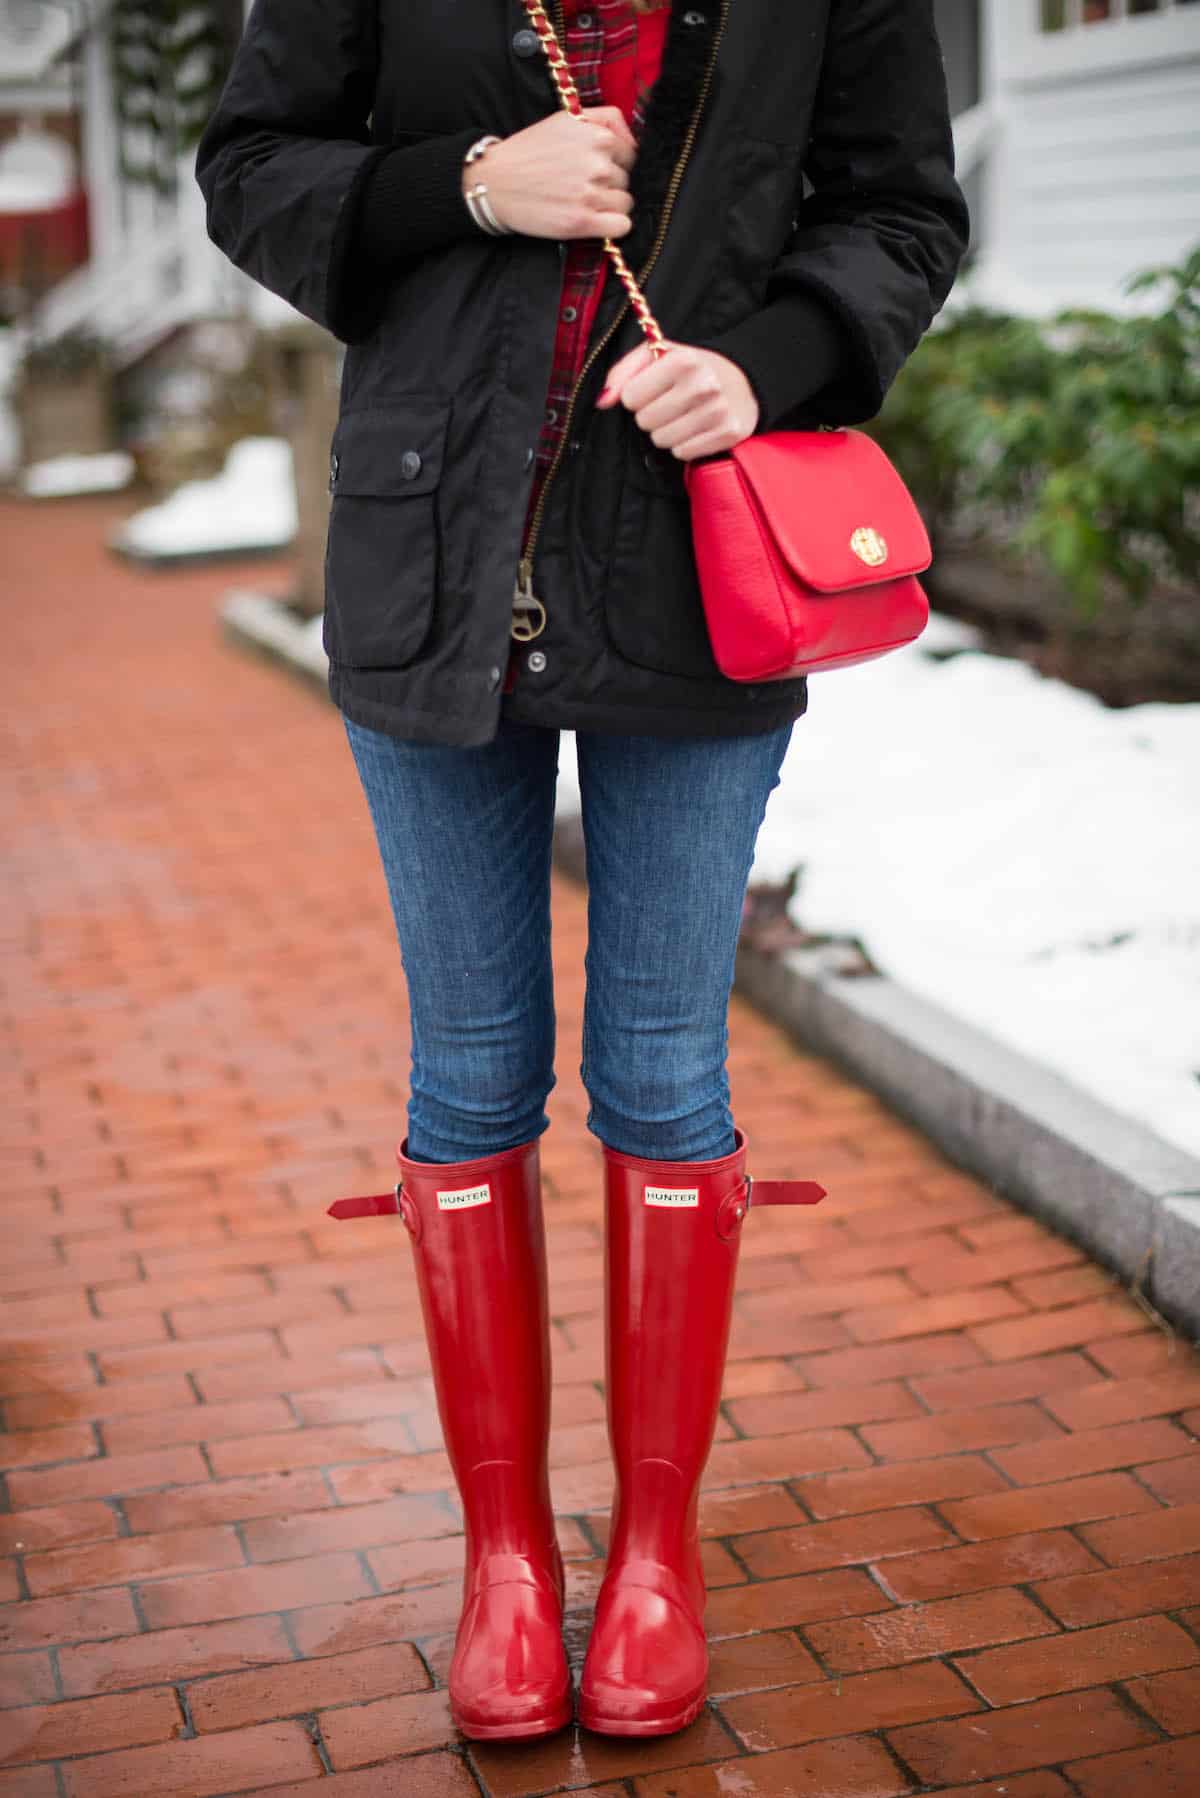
{"points": [[952, 1519]]}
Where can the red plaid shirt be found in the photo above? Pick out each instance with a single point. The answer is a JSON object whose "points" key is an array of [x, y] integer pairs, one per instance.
{"points": [[614, 55]]}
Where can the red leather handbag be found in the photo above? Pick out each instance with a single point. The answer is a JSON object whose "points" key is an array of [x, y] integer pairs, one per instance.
{"points": [[808, 544]]}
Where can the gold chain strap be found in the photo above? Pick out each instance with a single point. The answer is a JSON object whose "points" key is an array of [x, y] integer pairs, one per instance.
{"points": [[568, 93]]}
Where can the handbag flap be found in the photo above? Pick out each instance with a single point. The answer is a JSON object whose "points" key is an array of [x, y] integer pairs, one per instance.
{"points": [[839, 513]]}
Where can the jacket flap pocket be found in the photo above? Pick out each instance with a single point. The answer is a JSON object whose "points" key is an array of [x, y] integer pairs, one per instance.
{"points": [[838, 511], [390, 452]]}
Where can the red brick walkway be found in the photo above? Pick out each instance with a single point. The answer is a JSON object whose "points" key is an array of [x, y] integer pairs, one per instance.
{"points": [[953, 1514]]}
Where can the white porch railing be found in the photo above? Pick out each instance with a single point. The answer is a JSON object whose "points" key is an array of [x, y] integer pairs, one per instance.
{"points": [[125, 300]]}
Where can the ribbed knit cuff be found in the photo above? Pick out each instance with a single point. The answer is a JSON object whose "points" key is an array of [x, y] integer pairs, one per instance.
{"points": [[412, 201], [789, 350]]}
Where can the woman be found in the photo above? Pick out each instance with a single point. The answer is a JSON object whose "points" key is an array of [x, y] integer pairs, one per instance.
{"points": [[509, 553]]}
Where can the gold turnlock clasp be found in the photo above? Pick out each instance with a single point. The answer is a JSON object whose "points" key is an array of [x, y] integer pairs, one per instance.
{"points": [[528, 612], [870, 546]]}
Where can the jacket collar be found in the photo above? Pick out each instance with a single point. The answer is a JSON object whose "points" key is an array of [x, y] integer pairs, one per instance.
{"points": [[690, 34]]}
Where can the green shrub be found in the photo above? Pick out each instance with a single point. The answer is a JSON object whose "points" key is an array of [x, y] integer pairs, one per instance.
{"points": [[1077, 438]]}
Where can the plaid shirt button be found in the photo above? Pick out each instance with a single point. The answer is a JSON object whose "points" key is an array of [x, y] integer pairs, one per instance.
{"points": [[599, 42]]}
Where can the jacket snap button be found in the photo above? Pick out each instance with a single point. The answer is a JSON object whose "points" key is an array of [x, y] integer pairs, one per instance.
{"points": [[493, 678], [334, 465], [529, 458], [410, 465], [585, 21], [695, 18], [525, 43], [537, 662]]}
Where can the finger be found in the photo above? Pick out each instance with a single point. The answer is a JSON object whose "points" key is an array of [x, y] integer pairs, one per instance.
{"points": [[604, 170], [663, 373], [688, 421], [613, 163], [623, 153], [706, 443], [614, 119], [618, 146], [620, 372], [613, 199], [675, 404], [691, 387]]}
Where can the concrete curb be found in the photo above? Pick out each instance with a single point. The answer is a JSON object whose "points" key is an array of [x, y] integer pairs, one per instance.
{"points": [[1129, 1198], [193, 558]]}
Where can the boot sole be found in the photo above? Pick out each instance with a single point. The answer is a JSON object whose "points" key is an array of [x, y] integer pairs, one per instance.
{"points": [[526, 1730], [600, 1725]]}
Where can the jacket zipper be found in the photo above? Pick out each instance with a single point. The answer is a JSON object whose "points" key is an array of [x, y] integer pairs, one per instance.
{"points": [[524, 594]]}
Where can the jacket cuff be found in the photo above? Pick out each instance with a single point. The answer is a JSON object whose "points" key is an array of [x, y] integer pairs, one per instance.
{"points": [[790, 351], [412, 201], [403, 203]]}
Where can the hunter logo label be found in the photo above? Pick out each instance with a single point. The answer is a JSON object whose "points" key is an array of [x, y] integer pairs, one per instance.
{"points": [[673, 1198], [465, 1197]]}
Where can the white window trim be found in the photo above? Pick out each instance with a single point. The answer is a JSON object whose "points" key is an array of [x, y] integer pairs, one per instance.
{"points": [[1143, 40]]}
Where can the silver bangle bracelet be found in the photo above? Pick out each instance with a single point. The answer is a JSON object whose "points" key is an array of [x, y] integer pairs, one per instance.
{"points": [[478, 204], [488, 211], [481, 212], [479, 146]]}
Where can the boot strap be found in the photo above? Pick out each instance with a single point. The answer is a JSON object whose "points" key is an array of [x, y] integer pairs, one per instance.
{"points": [[783, 1192], [377, 1204], [755, 1192]]}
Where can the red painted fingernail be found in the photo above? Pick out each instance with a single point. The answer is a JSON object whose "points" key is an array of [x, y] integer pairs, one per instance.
{"points": [[606, 393]]}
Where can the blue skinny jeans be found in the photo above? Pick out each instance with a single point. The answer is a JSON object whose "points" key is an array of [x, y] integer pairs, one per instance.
{"points": [[465, 837]]}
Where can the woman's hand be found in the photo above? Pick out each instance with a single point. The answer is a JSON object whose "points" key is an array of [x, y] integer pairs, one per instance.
{"points": [[567, 176], [693, 402]]}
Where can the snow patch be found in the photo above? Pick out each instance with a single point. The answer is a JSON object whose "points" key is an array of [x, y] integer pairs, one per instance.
{"points": [[250, 505], [1012, 849], [60, 476]]}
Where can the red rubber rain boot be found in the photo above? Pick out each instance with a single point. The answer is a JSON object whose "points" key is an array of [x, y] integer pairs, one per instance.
{"points": [[672, 1245], [481, 1273]]}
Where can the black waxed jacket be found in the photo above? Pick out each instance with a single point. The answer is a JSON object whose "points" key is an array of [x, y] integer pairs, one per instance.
{"points": [[816, 182]]}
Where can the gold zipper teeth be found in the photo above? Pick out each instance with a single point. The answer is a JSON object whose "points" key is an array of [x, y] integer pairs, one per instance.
{"points": [[673, 186]]}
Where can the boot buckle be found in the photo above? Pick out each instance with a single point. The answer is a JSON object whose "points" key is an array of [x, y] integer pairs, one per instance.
{"points": [[732, 1210]]}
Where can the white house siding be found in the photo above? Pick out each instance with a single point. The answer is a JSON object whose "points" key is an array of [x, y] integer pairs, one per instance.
{"points": [[1106, 179], [1093, 167]]}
